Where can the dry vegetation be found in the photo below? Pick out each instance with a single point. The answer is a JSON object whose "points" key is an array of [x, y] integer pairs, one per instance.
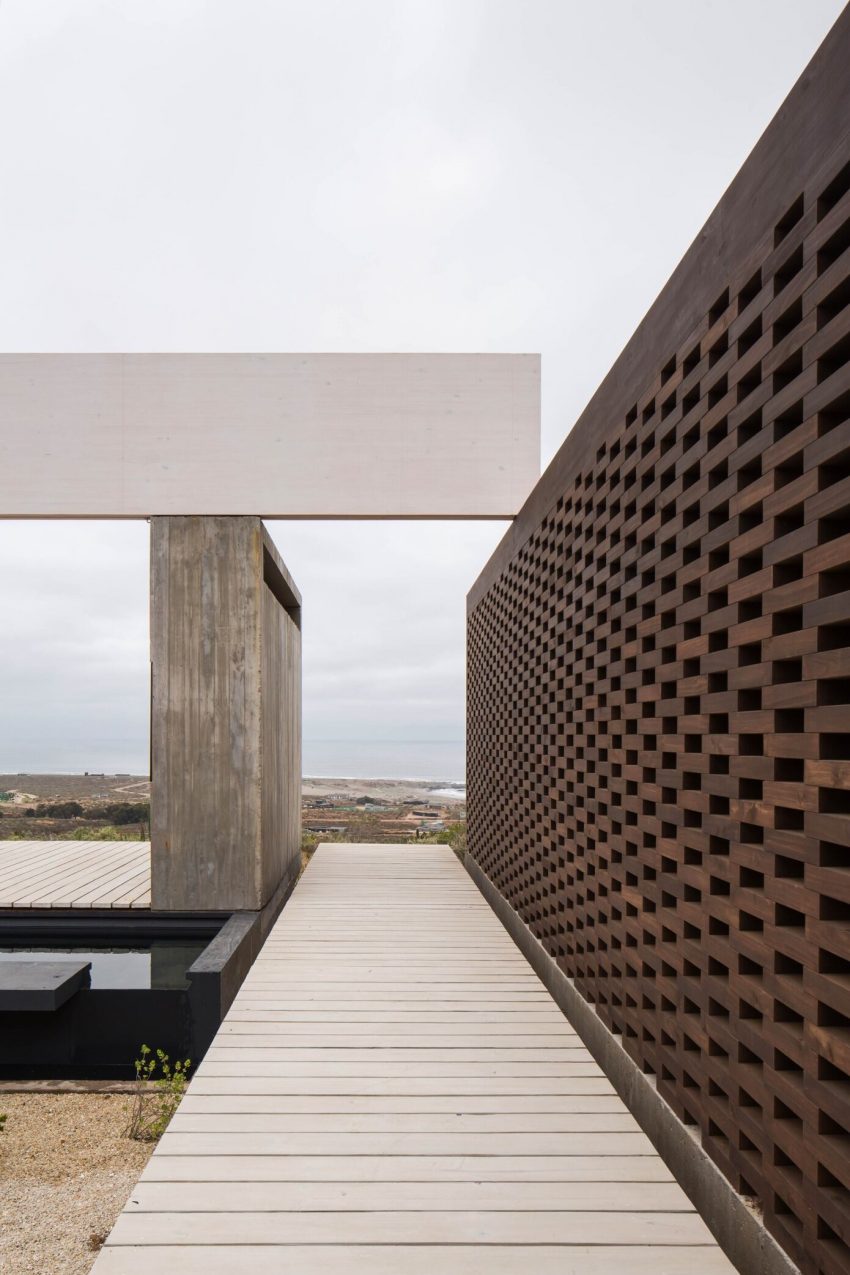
{"points": [[117, 807], [75, 807]]}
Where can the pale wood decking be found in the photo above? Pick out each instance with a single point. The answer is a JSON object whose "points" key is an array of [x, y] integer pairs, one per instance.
{"points": [[75, 874], [394, 1092]]}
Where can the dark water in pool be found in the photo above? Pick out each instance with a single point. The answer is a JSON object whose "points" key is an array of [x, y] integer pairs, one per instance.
{"points": [[161, 963]]}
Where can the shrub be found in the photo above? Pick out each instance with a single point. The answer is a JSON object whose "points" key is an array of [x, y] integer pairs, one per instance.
{"points": [[56, 810], [454, 835], [122, 812], [153, 1108]]}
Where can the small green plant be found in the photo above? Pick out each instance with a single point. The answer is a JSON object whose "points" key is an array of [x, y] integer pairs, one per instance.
{"points": [[2, 1121], [156, 1096]]}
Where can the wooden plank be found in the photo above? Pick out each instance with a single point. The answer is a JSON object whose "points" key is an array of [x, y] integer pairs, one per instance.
{"points": [[378, 1096], [57, 863], [163, 1167], [410, 1227], [126, 893], [78, 877], [362, 1039], [373, 999], [269, 1048], [100, 893], [266, 1022], [412, 1024], [413, 986], [233, 1197], [530, 1020], [535, 1104], [448, 1069], [17, 856], [74, 874], [405, 1143], [267, 995], [406, 1122], [390, 1259], [407, 1086]]}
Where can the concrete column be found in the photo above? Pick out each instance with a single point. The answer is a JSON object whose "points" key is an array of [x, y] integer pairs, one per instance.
{"points": [[225, 715]]}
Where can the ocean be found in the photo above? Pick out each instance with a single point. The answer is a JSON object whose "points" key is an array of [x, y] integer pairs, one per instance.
{"points": [[378, 759], [323, 759]]}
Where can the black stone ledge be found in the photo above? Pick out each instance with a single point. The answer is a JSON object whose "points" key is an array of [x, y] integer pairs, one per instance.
{"points": [[39, 986], [218, 973], [803, 140], [214, 980], [737, 1228], [32, 924]]}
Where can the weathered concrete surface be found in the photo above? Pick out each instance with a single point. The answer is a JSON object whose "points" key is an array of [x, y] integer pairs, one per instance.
{"points": [[280, 738], [226, 715]]}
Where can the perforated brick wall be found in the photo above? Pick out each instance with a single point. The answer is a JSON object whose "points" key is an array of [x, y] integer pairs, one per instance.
{"points": [[659, 708]]}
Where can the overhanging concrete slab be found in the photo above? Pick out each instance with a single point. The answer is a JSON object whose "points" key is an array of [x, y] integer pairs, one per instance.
{"points": [[275, 435]]}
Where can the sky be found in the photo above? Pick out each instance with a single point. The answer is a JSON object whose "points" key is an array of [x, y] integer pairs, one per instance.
{"points": [[495, 175]]}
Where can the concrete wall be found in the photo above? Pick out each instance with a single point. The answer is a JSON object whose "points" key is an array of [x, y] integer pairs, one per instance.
{"points": [[279, 435], [225, 716]]}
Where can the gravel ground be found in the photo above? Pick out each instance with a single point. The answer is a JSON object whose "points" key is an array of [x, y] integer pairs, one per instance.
{"points": [[66, 1171]]}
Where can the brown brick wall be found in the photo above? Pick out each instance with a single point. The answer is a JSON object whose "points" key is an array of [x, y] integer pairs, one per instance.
{"points": [[659, 690]]}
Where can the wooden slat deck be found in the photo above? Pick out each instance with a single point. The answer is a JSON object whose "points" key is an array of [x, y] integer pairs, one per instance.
{"points": [[75, 874], [394, 1092]]}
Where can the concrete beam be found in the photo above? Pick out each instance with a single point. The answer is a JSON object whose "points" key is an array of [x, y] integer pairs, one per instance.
{"points": [[276, 435]]}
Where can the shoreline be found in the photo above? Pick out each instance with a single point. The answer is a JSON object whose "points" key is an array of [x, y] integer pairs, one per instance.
{"points": [[429, 780], [391, 790], [47, 786]]}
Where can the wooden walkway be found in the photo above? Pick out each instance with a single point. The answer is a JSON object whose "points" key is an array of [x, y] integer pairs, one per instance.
{"points": [[394, 1092], [75, 874]]}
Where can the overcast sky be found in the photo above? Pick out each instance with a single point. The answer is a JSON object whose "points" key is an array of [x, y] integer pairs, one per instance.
{"points": [[456, 175]]}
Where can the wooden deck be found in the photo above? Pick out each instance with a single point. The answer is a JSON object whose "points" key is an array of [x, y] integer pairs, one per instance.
{"points": [[75, 874], [394, 1092]]}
